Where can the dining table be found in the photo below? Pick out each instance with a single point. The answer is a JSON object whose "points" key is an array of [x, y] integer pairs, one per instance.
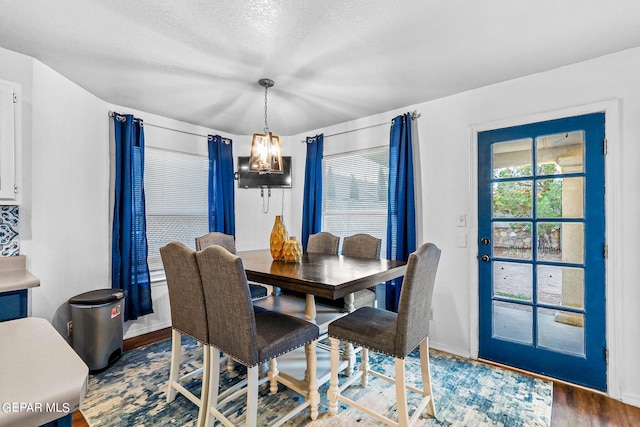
{"points": [[316, 275]]}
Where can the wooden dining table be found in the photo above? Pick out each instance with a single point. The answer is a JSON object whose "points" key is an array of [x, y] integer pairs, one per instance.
{"points": [[316, 275]]}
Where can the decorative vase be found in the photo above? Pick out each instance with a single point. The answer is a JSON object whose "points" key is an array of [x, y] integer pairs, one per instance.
{"points": [[292, 250], [278, 236]]}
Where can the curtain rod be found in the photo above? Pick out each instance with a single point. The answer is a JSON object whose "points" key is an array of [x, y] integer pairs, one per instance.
{"points": [[111, 113], [414, 115]]}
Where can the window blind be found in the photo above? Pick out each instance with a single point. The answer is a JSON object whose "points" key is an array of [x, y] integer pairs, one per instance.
{"points": [[176, 199], [355, 193]]}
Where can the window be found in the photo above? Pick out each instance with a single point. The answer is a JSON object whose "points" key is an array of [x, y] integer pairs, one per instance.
{"points": [[176, 193], [355, 193]]}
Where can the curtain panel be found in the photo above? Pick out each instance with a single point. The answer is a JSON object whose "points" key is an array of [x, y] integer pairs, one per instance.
{"points": [[312, 200], [221, 179], [401, 219], [129, 269]]}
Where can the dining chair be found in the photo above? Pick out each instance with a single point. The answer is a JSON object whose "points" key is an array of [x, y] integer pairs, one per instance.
{"points": [[323, 243], [363, 246], [228, 242], [188, 316], [251, 338], [394, 335]]}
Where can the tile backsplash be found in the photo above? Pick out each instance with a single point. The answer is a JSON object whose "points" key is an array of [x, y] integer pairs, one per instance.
{"points": [[9, 242]]}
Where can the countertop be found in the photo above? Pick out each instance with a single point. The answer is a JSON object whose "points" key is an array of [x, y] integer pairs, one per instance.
{"points": [[14, 275], [43, 379]]}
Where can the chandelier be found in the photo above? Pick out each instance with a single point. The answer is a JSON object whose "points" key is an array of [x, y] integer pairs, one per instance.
{"points": [[266, 155]]}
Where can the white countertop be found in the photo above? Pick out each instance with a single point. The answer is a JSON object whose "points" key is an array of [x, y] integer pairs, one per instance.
{"points": [[14, 275], [42, 377]]}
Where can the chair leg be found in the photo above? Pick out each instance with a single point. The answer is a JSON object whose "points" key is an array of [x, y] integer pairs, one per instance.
{"points": [[273, 372], [252, 397], [213, 385], [426, 375], [333, 391], [364, 366], [174, 370], [206, 379], [312, 368], [401, 394], [230, 365]]}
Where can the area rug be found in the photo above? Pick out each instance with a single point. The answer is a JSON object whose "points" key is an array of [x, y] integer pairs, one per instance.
{"points": [[131, 393]]}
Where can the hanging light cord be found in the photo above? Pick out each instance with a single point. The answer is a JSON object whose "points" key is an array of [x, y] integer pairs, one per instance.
{"points": [[266, 125]]}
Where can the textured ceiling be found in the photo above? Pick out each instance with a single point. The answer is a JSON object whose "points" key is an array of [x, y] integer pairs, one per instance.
{"points": [[199, 61]]}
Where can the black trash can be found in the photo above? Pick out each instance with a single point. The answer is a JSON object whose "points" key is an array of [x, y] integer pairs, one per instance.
{"points": [[97, 322]]}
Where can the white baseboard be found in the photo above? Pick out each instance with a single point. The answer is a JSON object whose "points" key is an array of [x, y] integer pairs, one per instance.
{"points": [[630, 399], [450, 350], [137, 330]]}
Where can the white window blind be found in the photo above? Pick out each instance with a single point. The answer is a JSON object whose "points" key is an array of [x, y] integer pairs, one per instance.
{"points": [[176, 199], [355, 193]]}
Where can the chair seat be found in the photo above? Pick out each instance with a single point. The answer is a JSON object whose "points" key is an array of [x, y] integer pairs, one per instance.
{"points": [[370, 327], [278, 334]]}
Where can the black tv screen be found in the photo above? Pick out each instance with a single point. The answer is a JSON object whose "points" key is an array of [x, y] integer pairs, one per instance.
{"points": [[248, 179]]}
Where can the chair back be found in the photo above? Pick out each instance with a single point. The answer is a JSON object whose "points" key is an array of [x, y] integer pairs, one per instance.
{"points": [[186, 295], [415, 298], [227, 241], [323, 243], [361, 246], [230, 315]]}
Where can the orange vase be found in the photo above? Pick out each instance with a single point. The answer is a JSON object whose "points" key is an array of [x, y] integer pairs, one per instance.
{"points": [[292, 250], [278, 236]]}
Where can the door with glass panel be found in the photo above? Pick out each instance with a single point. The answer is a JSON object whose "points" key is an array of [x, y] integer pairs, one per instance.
{"points": [[542, 249]]}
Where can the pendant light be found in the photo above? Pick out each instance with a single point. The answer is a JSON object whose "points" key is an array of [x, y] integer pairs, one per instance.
{"points": [[266, 154]]}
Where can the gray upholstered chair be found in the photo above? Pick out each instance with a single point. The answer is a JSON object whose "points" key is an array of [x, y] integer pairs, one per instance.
{"points": [[392, 334], [323, 243], [188, 316], [228, 242], [251, 338], [363, 246]]}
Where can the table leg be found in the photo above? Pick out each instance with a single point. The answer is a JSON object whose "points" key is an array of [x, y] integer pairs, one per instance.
{"points": [[349, 352]]}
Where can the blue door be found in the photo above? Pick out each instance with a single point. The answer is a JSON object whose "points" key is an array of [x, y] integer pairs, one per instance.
{"points": [[542, 249]]}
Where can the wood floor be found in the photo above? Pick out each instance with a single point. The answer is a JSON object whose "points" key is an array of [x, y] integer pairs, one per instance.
{"points": [[572, 406]]}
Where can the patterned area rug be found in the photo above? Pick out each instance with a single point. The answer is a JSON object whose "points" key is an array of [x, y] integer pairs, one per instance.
{"points": [[467, 393]]}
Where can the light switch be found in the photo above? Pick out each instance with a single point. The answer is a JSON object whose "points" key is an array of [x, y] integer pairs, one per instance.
{"points": [[461, 240], [462, 220]]}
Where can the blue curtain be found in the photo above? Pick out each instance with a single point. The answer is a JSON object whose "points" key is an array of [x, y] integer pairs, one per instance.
{"points": [[401, 219], [221, 196], [129, 269], [312, 202]]}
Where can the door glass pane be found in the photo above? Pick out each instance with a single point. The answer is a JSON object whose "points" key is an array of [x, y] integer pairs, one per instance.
{"points": [[560, 153], [513, 322], [512, 280], [512, 159], [512, 239], [561, 242], [512, 199], [560, 198], [561, 331], [562, 286]]}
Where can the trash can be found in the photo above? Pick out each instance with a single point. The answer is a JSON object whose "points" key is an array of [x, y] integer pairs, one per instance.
{"points": [[97, 321]]}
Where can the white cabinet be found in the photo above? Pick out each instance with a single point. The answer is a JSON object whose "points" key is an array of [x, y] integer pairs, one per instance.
{"points": [[9, 138]]}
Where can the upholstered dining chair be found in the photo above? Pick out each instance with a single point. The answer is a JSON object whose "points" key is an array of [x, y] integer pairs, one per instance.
{"points": [[392, 334], [363, 246], [251, 338], [228, 242], [323, 243], [188, 316]]}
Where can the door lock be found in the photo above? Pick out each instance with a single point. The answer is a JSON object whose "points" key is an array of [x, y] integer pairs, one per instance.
{"points": [[485, 241], [485, 258]]}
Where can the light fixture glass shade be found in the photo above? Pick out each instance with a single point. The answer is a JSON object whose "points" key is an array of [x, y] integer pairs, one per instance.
{"points": [[266, 154]]}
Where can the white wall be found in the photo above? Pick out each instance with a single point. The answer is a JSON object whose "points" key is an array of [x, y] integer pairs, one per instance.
{"points": [[447, 155], [65, 223]]}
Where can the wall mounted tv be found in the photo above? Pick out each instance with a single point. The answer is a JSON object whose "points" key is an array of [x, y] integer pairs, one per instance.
{"points": [[247, 179]]}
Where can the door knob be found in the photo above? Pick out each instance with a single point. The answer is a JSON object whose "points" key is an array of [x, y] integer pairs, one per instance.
{"points": [[485, 258], [485, 241]]}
